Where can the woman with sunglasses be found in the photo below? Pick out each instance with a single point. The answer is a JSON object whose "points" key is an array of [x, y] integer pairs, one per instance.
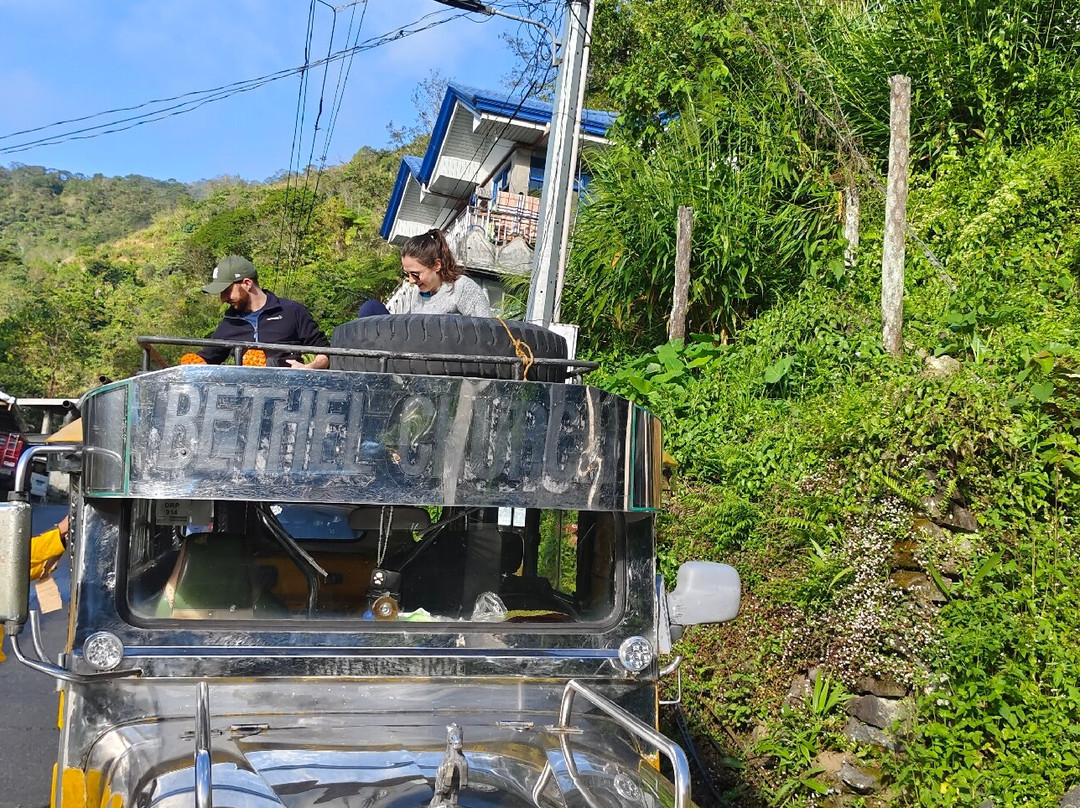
{"points": [[436, 283]]}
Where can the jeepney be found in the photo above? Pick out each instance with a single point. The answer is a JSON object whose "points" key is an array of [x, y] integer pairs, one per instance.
{"points": [[361, 588]]}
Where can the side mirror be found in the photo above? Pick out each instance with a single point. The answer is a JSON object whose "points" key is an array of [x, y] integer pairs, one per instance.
{"points": [[705, 592], [14, 565]]}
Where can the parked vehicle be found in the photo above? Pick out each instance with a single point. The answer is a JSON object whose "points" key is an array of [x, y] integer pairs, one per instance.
{"points": [[14, 439], [372, 585]]}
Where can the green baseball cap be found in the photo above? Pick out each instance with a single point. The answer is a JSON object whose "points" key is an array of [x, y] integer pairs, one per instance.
{"points": [[231, 269]]}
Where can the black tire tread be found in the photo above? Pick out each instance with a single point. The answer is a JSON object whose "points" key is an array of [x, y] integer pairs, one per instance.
{"points": [[435, 334]]}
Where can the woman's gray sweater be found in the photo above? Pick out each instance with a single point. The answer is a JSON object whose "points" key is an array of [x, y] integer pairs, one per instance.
{"points": [[463, 296]]}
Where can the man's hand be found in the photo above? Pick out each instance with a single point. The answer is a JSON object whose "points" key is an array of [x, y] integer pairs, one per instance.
{"points": [[320, 362]]}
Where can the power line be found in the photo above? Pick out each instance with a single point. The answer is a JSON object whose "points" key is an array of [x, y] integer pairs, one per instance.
{"points": [[298, 126], [188, 102], [343, 78], [303, 221], [538, 81]]}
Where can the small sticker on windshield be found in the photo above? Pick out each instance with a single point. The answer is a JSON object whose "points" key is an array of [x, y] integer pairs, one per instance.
{"points": [[183, 512]]}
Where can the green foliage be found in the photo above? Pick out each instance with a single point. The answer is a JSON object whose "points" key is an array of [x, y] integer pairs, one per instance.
{"points": [[731, 145], [225, 233], [805, 455], [794, 440], [49, 213], [982, 71], [1004, 719], [71, 304], [802, 734]]}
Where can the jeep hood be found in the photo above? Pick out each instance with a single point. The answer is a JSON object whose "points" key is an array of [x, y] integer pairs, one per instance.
{"points": [[346, 761]]}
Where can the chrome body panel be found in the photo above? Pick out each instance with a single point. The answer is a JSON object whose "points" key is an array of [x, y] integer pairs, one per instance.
{"points": [[269, 434], [350, 743], [164, 648], [346, 712], [383, 693]]}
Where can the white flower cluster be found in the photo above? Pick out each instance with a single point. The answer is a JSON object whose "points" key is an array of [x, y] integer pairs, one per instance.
{"points": [[874, 628]]}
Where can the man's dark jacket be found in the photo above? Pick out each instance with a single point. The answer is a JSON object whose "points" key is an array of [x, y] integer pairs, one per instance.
{"points": [[281, 320]]}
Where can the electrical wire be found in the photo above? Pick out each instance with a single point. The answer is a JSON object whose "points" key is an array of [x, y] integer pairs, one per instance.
{"points": [[188, 102], [344, 69], [303, 224], [540, 80], [298, 127]]}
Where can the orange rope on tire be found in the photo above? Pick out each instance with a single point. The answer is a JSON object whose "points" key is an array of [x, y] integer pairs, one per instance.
{"points": [[523, 350]]}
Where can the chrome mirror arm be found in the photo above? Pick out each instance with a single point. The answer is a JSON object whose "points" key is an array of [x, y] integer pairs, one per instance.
{"points": [[676, 665], [42, 665], [35, 635]]}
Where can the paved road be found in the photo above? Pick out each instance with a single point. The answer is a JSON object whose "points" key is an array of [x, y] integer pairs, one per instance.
{"points": [[28, 734]]}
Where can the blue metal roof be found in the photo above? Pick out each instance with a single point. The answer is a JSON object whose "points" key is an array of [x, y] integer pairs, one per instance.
{"points": [[593, 122]]}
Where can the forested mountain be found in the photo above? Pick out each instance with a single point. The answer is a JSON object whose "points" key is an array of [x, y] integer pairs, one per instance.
{"points": [[45, 214], [906, 528], [88, 264]]}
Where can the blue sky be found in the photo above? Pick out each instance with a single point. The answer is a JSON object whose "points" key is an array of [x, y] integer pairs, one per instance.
{"points": [[65, 59]]}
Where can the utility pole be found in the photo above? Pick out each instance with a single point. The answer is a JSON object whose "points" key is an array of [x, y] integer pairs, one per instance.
{"points": [[564, 143], [564, 146]]}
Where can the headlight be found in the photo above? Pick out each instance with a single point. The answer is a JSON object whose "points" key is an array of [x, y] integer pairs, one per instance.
{"points": [[636, 654], [103, 651]]}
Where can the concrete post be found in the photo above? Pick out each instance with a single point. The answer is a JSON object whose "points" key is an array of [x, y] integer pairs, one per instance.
{"points": [[892, 260], [556, 199]]}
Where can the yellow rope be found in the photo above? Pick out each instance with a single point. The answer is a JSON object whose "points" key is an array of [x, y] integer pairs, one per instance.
{"points": [[522, 349]]}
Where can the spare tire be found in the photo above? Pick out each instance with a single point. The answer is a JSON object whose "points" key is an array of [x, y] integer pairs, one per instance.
{"points": [[421, 338]]}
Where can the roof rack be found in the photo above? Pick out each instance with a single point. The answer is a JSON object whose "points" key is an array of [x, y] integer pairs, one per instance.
{"points": [[574, 367]]}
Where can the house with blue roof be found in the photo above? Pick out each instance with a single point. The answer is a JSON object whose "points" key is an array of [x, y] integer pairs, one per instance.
{"points": [[479, 181]]}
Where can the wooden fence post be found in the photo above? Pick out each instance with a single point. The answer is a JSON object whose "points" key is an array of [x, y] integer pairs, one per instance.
{"points": [[892, 259], [851, 225], [681, 296]]}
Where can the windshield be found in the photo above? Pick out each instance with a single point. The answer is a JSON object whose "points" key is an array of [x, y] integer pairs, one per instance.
{"points": [[227, 561]]}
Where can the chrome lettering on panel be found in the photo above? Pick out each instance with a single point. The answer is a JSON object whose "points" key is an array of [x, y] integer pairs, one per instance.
{"points": [[259, 433]]}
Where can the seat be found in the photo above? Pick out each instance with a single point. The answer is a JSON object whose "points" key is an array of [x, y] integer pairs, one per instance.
{"points": [[216, 577], [529, 597], [455, 569]]}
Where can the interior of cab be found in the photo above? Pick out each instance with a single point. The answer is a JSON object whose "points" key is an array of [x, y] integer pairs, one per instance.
{"points": [[300, 561]]}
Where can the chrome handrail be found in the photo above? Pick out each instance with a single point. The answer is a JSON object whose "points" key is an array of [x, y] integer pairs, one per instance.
{"points": [[572, 366], [22, 468], [204, 785], [632, 723]]}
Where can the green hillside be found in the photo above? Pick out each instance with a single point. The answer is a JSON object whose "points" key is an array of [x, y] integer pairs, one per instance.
{"points": [[46, 214], [88, 264], [906, 528]]}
